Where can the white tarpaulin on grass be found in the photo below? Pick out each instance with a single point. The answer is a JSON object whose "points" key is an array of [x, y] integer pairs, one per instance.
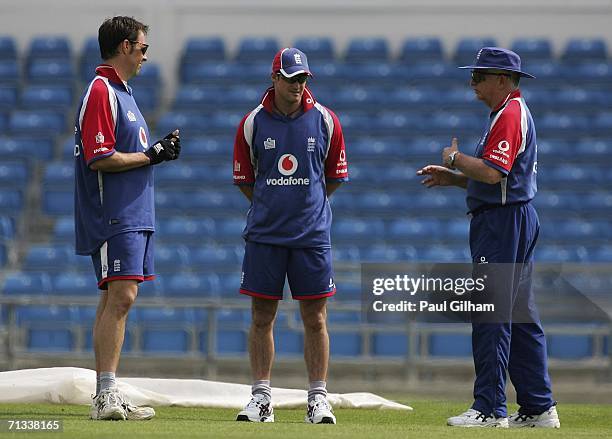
{"points": [[72, 385]]}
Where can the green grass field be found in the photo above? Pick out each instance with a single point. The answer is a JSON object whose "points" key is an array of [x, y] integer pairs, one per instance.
{"points": [[427, 420]]}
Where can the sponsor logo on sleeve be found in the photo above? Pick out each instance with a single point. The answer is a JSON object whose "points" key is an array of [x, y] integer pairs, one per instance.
{"points": [[99, 138], [341, 166]]}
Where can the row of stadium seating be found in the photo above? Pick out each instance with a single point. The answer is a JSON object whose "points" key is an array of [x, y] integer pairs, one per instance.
{"points": [[184, 331], [358, 49]]}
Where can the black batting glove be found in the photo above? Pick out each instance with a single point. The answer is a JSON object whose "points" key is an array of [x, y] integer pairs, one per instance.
{"points": [[165, 149]]}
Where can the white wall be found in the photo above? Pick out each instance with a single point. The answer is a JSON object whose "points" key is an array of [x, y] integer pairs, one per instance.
{"points": [[172, 21]]}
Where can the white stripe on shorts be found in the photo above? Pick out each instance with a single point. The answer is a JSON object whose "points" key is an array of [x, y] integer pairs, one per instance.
{"points": [[104, 260]]}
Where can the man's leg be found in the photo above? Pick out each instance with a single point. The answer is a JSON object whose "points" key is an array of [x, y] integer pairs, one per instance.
{"points": [[261, 338], [316, 339], [96, 345]]}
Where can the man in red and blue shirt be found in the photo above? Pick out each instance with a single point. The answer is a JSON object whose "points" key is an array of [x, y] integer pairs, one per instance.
{"points": [[501, 182], [289, 156], [114, 200]]}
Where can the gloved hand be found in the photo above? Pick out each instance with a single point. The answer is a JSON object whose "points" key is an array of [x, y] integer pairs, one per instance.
{"points": [[168, 148]]}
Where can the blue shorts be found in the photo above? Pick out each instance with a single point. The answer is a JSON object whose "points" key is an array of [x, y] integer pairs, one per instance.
{"points": [[309, 271], [128, 255]]}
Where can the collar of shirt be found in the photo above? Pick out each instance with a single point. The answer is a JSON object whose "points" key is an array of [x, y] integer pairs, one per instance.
{"points": [[513, 94], [308, 101], [111, 74]]}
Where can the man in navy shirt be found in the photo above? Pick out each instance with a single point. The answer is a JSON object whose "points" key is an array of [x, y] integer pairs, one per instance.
{"points": [[289, 156], [114, 200], [501, 181]]}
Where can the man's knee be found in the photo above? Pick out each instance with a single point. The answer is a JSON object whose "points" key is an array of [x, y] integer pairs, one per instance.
{"points": [[314, 315], [263, 312], [121, 296]]}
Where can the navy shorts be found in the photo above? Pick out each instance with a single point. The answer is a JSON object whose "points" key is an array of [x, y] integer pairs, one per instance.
{"points": [[128, 255], [309, 271]]}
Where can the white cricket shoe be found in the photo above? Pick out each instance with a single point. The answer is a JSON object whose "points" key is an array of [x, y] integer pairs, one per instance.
{"points": [[137, 413], [319, 411], [259, 409], [547, 419], [107, 405], [474, 418]]}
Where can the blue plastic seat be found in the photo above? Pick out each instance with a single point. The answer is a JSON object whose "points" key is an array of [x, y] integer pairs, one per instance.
{"points": [[209, 147], [435, 74], [13, 173], [583, 49], [7, 228], [147, 97], [555, 253], [224, 122], [569, 346], [450, 345], [318, 49], [63, 230], [50, 72], [8, 97], [11, 200], [207, 256], [599, 72], [367, 49], [444, 253], [592, 147], [467, 49], [8, 47], [191, 96], [532, 49], [288, 342], [257, 49], [27, 283], [399, 123], [149, 76], [45, 257], [345, 343], [50, 46], [603, 124], [204, 49], [57, 202], [166, 330], [232, 332], [390, 344], [9, 72], [48, 327], [562, 123], [358, 230], [185, 230], [455, 122], [189, 123], [41, 97], [413, 229], [192, 285], [58, 174], [423, 97], [33, 122], [420, 49], [75, 284], [170, 258]]}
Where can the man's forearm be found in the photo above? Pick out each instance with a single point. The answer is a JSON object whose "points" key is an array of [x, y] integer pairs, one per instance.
{"points": [[120, 162], [476, 169]]}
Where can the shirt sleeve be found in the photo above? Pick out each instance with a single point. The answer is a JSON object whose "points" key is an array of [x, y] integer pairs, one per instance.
{"points": [[336, 166], [243, 168], [98, 124], [505, 139]]}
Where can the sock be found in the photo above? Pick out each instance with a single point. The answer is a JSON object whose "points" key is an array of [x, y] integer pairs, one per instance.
{"points": [[317, 388], [107, 380], [262, 387], [97, 384]]}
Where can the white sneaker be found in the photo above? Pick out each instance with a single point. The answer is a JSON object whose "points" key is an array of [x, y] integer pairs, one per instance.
{"points": [[259, 409], [137, 413], [474, 418], [108, 405], [548, 419], [319, 411]]}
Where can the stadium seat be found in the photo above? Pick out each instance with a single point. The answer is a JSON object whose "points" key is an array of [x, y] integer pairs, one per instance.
{"points": [[43, 257], [421, 49], [34, 122], [8, 97], [318, 49], [569, 346], [31, 148], [435, 74], [11, 200], [532, 49], [63, 230], [210, 147], [189, 123], [592, 147], [50, 47], [27, 284], [207, 257], [43, 97], [198, 97], [592, 73], [7, 228], [450, 345], [199, 49], [9, 72], [192, 285], [287, 342], [166, 330], [170, 258], [232, 332], [390, 344], [257, 49], [8, 48], [367, 49], [47, 327], [58, 174], [57, 202], [411, 229], [185, 230], [585, 49], [358, 230], [443, 253], [603, 124], [13, 173], [467, 48], [345, 343], [147, 97], [75, 284], [44, 71]]}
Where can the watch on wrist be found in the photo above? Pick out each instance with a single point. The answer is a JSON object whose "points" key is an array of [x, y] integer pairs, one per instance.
{"points": [[451, 159]]}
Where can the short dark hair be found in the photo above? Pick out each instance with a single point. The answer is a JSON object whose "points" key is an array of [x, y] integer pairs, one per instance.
{"points": [[114, 30], [516, 78]]}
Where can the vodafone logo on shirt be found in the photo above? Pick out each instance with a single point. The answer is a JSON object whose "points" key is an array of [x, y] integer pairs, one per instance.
{"points": [[287, 165], [142, 136]]}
